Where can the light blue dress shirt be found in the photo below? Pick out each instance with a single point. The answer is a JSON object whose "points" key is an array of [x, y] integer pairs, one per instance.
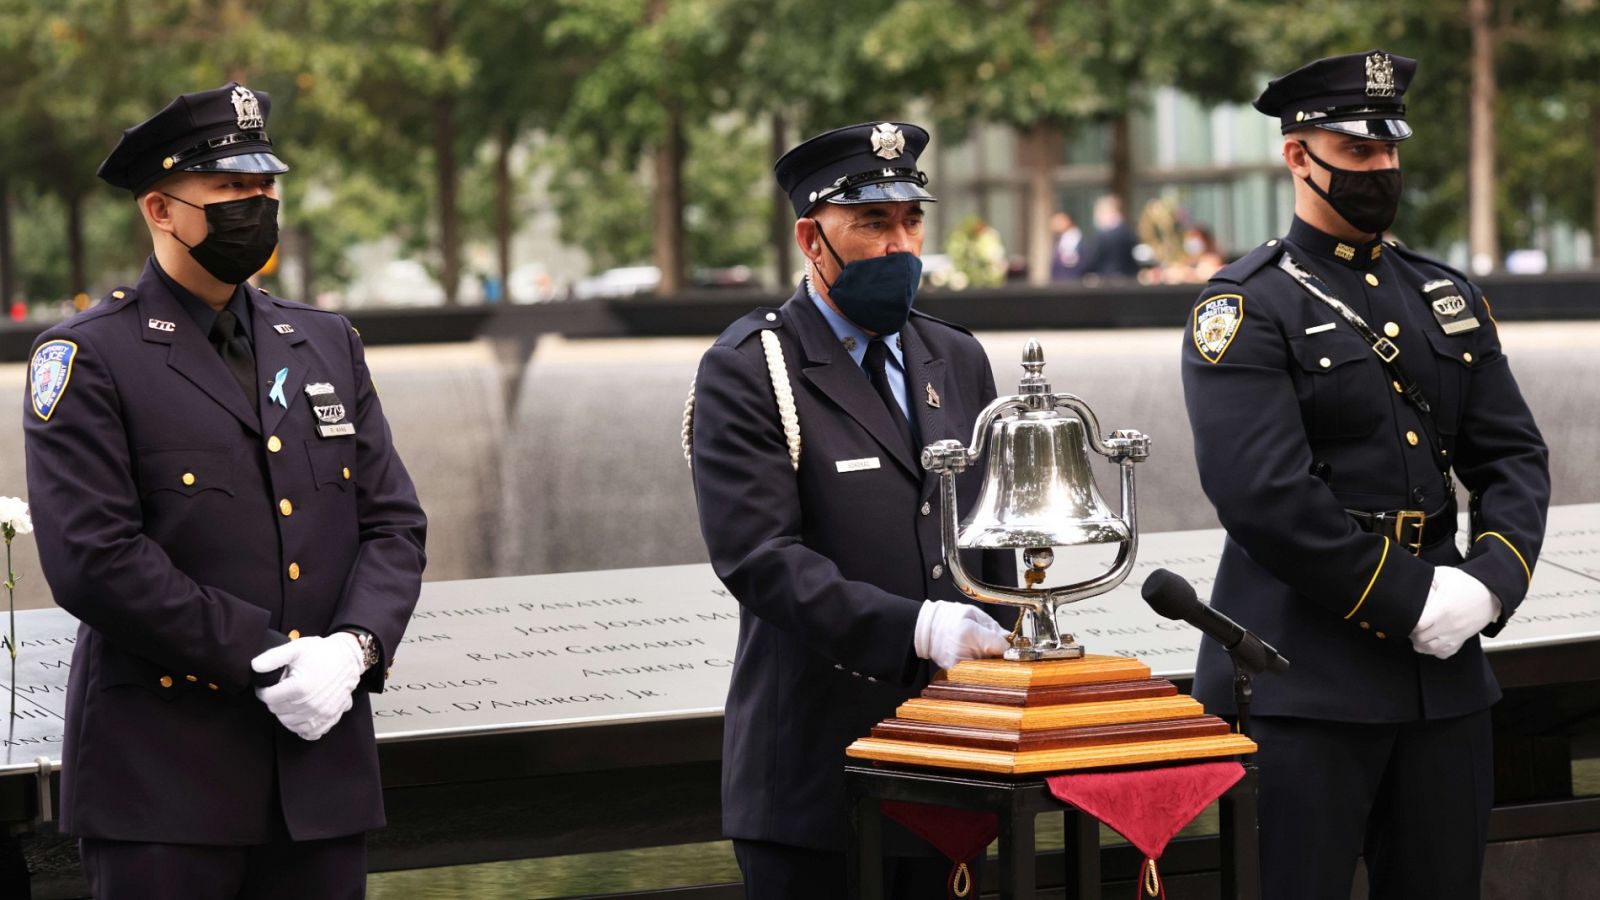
{"points": [[844, 328]]}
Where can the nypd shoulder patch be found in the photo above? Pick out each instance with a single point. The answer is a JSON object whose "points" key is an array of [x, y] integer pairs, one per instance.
{"points": [[1216, 321], [49, 373]]}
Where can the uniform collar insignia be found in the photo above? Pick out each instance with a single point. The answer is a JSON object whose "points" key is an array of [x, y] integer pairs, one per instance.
{"points": [[933, 396]]}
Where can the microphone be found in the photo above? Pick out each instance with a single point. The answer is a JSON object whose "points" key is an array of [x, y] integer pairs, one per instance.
{"points": [[1171, 596]]}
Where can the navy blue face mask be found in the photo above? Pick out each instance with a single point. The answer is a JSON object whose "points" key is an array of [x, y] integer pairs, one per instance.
{"points": [[875, 293]]}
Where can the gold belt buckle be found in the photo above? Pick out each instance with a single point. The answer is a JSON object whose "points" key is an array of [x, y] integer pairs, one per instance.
{"points": [[1401, 519]]}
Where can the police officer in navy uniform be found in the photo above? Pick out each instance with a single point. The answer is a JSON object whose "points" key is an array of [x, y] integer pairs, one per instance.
{"points": [[807, 426], [1340, 386], [219, 501]]}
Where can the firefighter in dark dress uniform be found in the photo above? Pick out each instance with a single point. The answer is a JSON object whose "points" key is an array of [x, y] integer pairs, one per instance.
{"points": [[807, 426], [1340, 387], [219, 502]]}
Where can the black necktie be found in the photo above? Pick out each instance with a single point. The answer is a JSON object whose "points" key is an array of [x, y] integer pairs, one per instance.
{"points": [[875, 363], [234, 347]]}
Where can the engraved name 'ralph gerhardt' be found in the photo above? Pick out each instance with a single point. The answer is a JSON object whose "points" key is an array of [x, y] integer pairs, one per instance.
{"points": [[590, 649]]}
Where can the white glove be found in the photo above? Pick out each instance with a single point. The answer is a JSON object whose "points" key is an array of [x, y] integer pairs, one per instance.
{"points": [[1458, 607], [319, 676], [949, 632]]}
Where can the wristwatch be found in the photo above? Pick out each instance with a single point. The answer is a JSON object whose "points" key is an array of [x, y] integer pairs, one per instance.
{"points": [[368, 645]]}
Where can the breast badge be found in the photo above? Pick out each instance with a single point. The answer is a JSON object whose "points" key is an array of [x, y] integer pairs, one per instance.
{"points": [[1216, 321], [330, 411]]}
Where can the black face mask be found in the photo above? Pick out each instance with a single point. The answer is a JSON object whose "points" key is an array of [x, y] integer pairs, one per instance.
{"points": [[240, 237], [875, 293], [1366, 199]]}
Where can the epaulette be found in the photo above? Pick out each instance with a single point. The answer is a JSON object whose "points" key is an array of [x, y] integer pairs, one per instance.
{"points": [[922, 315], [756, 320], [1416, 257], [112, 302], [286, 303], [1240, 270]]}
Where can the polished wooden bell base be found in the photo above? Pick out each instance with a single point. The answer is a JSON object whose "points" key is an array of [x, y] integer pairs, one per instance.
{"points": [[1016, 718]]}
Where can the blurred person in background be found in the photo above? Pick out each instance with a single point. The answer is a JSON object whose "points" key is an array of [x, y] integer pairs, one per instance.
{"points": [[1109, 253], [1066, 262]]}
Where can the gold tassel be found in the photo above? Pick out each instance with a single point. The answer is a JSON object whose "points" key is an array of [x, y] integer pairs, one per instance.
{"points": [[961, 881]]}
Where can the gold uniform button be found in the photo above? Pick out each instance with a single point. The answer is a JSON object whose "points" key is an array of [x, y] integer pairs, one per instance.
{"points": [[294, 634], [118, 295], [1391, 329], [1467, 357], [294, 568], [188, 478], [166, 681], [273, 444], [213, 686], [1365, 626], [285, 507], [1411, 438], [346, 473], [190, 678], [1325, 362], [1397, 388], [1381, 635], [1272, 243], [1372, 279]]}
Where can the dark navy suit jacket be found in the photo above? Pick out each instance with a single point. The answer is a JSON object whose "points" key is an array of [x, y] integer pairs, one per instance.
{"points": [[1297, 421], [188, 534], [830, 567]]}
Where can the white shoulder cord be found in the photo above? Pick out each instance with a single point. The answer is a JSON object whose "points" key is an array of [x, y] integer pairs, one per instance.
{"points": [[788, 417]]}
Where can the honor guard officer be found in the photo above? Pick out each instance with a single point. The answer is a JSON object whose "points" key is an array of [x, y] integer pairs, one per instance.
{"points": [[218, 500], [1338, 386], [807, 425]]}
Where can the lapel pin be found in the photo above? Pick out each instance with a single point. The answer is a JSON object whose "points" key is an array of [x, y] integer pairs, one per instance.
{"points": [[276, 394], [283, 329], [933, 396]]}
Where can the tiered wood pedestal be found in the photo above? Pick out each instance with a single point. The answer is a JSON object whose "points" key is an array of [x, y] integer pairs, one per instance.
{"points": [[1016, 718]]}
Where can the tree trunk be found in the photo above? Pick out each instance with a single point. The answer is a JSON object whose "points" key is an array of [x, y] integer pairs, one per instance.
{"points": [[445, 169], [8, 274], [782, 218], [667, 206], [1121, 185], [1041, 149], [1481, 239], [503, 225], [1594, 226], [78, 280], [307, 246]]}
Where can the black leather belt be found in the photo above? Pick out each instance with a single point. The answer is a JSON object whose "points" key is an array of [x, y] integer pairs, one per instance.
{"points": [[1412, 529]]}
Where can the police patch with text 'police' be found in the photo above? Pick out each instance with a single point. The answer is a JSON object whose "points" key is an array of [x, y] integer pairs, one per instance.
{"points": [[1216, 321], [49, 371]]}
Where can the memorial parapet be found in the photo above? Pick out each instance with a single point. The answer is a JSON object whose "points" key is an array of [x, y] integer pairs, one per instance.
{"points": [[588, 649]]}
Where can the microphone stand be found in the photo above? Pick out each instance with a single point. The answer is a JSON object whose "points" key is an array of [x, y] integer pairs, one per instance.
{"points": [[1242, 675]]}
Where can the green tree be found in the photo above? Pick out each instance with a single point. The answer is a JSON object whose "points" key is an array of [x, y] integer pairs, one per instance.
{"points": [[1044, 68]]}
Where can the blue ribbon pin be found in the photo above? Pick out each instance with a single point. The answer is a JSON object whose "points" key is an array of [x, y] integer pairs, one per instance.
{"points": [[277, 388]]}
